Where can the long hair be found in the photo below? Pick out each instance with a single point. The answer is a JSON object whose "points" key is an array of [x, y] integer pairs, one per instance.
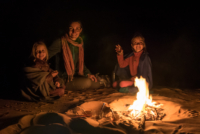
{"points": [[136, 35], [35, 47]]}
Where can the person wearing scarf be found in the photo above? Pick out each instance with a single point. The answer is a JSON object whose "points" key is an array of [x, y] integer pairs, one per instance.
{"points": [[68, 53], [134, 65]]}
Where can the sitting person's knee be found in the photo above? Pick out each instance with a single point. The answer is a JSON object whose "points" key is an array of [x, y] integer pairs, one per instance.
{"points": [[83, 83], [122, 84], [114, 84], [126, 83], [86, 83], [58, 92]]}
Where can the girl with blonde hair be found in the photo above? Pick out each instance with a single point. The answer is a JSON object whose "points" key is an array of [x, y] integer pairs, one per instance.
{"points": [[42, 83]]}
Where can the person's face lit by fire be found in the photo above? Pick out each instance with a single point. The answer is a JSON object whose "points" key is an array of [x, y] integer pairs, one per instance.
{"points": [[40, 52], [137, 44], [75, 30]]}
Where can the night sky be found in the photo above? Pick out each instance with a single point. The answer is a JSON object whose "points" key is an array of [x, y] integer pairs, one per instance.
{"points": [[171, 32]]}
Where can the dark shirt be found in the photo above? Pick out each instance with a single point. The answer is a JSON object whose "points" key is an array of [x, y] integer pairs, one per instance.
{"points": [[55, 50]]}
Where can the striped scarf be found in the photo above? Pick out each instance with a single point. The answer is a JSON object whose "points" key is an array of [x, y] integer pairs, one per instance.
{"points": [[68, 59]]}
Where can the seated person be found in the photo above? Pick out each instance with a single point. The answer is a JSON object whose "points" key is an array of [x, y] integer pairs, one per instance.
{"points": [[134, 65], [69, 60], [41, 83]]}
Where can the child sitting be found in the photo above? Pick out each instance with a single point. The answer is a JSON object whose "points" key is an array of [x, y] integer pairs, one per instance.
{"points": [[42, 83], [139, 65]]}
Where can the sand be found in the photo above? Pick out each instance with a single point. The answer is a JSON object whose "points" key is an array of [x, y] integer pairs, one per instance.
{"points": [[76, 113]]}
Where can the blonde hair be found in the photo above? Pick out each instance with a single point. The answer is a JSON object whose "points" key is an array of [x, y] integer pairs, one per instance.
{"points": [[143, 39], [35, 45]]}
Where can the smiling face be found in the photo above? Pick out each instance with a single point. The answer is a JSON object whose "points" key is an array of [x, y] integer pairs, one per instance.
{"points": [[74, 30], [137, 44], [41, 52]]}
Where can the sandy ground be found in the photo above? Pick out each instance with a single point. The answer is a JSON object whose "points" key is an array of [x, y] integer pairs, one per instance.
{"points": [[180, 106]]}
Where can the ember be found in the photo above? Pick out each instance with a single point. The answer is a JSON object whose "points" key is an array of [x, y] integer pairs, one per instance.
{"points": [[150, 113]]}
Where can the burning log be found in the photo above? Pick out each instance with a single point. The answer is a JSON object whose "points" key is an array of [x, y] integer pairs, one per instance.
{"points": [[142, 123]]}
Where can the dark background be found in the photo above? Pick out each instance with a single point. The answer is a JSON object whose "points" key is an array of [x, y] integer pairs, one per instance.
{"points": [[171, 31]]}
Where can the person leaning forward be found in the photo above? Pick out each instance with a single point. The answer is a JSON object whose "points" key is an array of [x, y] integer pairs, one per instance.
{"points": [[69, 59]]}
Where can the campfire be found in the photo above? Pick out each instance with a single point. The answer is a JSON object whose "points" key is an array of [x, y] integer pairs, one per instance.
{"points": [[142, 109], [144, 105]]}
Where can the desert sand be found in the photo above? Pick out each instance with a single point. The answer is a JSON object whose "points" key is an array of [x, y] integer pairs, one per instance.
{"points": [[77, 111]]}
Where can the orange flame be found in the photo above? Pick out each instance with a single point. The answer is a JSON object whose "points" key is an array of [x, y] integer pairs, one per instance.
{"points": [[142, 96]]}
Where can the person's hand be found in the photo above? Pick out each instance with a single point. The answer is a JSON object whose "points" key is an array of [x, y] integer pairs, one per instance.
{"points": [[92, 77], [70, 78], [57, 84], [54, 73], [118, 49]]}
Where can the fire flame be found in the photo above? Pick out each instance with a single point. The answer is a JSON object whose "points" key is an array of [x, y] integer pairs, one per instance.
{"points": [[142, 97]]}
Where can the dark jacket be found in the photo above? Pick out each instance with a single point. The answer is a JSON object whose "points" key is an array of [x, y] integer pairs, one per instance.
{"points": [[55, 50], [144, 69]]}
